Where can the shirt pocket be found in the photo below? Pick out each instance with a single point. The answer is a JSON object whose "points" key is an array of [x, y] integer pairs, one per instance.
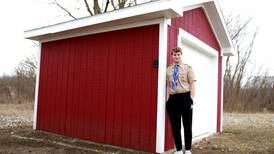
{"points": [[183, 76]]}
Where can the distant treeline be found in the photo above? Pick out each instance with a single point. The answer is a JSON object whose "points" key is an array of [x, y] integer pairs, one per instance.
{"points": [[19, 88], [257, 95], [246, 89]]}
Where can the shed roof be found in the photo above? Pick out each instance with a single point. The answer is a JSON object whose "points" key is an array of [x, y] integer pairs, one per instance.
{"points": [[137, 13]]}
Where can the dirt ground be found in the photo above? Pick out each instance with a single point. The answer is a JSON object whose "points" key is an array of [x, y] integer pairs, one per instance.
{"points": [[242, 134]]}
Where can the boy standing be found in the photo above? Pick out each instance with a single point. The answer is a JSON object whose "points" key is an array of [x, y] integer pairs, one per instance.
{"points": [[180, 95]]}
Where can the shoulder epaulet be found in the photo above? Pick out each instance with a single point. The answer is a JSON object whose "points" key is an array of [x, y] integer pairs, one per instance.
{"points": [[188, 66]]}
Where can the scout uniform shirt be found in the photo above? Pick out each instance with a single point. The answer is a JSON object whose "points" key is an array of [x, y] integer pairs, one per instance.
{"points": [[186, 76]]}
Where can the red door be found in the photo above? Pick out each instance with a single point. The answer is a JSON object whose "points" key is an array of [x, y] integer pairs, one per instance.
{"points": [[101, 87]]}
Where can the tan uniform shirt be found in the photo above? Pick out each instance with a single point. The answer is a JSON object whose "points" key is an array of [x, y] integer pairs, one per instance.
{"points": [[186, 76]]}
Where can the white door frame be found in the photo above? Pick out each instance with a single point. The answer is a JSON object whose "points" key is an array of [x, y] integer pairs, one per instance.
{"points": [[187, 40]]}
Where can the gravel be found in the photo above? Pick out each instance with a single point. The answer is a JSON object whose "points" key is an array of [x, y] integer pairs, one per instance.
{"points": [[12, 121]]}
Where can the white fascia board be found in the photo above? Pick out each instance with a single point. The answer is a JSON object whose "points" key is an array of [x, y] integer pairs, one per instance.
{"points": [[189, 39], [227, 51], [221, 17], [100, 29], [166, 8], [217, 22]]}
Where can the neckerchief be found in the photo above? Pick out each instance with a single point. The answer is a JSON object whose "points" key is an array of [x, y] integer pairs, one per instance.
{"points": [[175, 77]]}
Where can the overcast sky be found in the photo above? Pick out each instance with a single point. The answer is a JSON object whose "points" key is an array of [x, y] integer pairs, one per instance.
{"points": [[17, 16]]}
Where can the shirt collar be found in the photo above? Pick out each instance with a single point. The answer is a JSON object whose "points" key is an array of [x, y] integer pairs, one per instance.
{"points": [[180, 64]]}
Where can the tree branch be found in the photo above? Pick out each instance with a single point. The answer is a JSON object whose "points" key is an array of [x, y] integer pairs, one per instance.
{"points": [[113, 5], [240, 29], [64, 9], [88, 8], [106, 8]]}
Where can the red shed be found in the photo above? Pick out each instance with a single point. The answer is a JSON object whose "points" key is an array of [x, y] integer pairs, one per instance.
{"points": [[102, 78]]}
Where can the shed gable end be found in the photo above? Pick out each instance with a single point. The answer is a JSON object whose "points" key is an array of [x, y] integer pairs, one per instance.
{"points": [[196, 23]]}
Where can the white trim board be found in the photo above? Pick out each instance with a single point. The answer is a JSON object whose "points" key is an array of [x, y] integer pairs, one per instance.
{"points": [[161, 94], [83, 32], [37, 89], [189, 39], [222, 96], [199, 58]]}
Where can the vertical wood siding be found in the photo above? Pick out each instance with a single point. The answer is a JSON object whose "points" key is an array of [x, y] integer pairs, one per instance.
{"points": [[196, 23], [101, 87]]}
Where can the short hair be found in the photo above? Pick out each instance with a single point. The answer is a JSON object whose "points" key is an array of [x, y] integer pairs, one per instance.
{"points": [[176, 50]]}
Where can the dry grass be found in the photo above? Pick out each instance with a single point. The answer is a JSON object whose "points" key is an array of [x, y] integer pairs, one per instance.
{"points": [[242, 134], [14, 115], [23, 109]]}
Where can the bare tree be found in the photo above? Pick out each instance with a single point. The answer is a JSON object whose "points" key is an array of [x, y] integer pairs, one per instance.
{"points": [[21, 86], [93, 7], [243, 91], [237, 27], [24, 83], [88, 7], [5, 89], [55, 2], [236, 67]]}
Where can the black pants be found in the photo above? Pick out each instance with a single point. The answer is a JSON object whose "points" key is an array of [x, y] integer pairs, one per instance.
{"points": [[177, 106]]}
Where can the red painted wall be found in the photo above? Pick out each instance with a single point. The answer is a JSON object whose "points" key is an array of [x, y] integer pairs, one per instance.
{"points": [[101, 87], [195, 22]]}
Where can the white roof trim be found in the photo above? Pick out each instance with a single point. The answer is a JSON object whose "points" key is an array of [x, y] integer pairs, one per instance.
{"points": [[96, 30], [139, 13], [189, 39], [166, 8], [227, 49], [219, 30]]}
